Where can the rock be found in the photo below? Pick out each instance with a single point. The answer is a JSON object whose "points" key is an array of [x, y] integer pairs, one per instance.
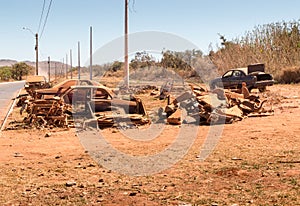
{"points": [[17, 154], [153, 93], [236, 158], [48, 134], [70, 183], [132, 194]]}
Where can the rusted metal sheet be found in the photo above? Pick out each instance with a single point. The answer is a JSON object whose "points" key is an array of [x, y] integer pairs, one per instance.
{"points": [[219, 105], [175, 118]]}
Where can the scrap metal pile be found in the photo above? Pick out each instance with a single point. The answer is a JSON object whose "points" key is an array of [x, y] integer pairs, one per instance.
{"points": [[216, 106], [51, 112], [81, 103]]}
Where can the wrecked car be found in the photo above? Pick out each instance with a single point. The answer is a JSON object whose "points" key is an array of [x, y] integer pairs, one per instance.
{"points": [[63, 86], [33, 91], [82, 104], [254, 76]]}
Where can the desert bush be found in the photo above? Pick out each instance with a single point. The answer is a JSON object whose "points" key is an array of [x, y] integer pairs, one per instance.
{"points": [[289, 76], [5, 73], [154, 73], [276, 44], [20, 69]]}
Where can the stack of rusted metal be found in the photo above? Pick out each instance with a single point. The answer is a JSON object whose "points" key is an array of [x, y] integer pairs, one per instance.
{"points": [[217, 106], [50, 112]]}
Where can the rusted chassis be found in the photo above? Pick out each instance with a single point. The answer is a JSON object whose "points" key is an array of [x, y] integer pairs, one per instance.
{"points": [[84, 104]]}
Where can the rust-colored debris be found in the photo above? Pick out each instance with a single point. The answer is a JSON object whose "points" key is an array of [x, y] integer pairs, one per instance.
{"points": [[175, 118], [83, 105], [43, 113], [217, 106]]}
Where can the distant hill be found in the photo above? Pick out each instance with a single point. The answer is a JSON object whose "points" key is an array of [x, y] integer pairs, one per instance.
{"points": [[43, 66], [7, 62]]}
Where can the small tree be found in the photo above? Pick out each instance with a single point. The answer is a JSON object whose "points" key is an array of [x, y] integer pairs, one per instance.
{"points": [[5, 73], [142, 60], [117, 65], [19, 70]]}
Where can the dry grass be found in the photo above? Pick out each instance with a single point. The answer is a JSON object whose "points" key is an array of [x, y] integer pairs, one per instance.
{"points": [[289, 75], [276, 44]]}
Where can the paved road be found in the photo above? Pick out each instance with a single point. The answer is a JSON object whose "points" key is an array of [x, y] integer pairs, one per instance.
{"points": [[8, 91]]}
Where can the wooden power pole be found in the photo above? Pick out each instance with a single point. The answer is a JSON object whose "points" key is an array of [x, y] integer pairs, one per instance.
{"points": [[71, 72], [49, 69], [78, 60], [66, 66], [126, 64], [91, 53], [36, 54]]}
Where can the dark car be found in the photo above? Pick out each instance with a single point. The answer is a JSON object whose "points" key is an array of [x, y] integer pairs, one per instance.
{"points": [[253, 75]]}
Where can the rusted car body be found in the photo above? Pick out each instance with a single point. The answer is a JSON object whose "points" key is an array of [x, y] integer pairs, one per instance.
{"points": [[100, 102], [85, 103], [62, 87]]}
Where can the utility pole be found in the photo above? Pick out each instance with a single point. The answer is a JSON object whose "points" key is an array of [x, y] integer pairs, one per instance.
{"points": [[49, 69], [62, 69], [78, 60], [126, 66], [66, 66], [55, 72], [91, 54], [71, 63], [37, 54], [36, 50]]}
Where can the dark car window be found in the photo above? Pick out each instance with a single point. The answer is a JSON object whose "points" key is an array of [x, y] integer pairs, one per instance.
{"points": [[101, 93], [237, 73]]}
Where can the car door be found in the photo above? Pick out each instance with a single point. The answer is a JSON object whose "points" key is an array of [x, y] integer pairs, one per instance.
{"points": [[227, 78], [237, 78]]}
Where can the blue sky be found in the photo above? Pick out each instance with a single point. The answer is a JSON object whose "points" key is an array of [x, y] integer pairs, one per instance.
{"points": [[69, 21]]}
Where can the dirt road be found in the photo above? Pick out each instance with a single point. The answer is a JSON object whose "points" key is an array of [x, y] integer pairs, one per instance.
{"points": [[256, 162]]}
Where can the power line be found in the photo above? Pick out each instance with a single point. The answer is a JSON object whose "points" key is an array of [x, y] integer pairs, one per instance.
{"points": [[42, 13], [46, 19]]}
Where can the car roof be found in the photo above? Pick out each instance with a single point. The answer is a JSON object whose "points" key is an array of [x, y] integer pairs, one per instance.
{"points": [[244, 69], [70, 82], [109, 91]]}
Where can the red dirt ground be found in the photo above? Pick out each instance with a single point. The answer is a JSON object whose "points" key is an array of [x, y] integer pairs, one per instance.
{"points": [[256, 162]]}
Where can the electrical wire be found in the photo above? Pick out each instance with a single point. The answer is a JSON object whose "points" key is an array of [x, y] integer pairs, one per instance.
{"points": [[42, 13], [46, 19]]}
